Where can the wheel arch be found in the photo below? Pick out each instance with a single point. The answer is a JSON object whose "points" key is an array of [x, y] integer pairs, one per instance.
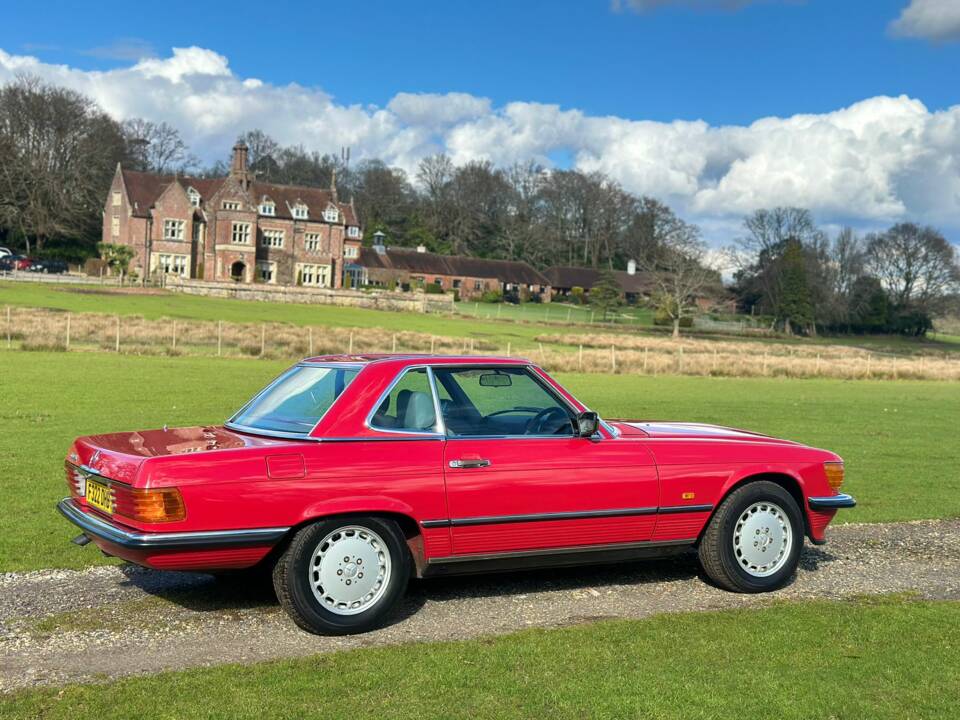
{"points": [[409, 527], [787, 481]]}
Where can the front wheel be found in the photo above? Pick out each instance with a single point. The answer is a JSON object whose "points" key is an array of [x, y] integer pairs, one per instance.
{"points": [[753, 542], [342, 575]]}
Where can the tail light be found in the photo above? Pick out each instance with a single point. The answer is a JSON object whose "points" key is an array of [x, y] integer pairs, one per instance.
{"points": [[834, 473], [157, 505]]}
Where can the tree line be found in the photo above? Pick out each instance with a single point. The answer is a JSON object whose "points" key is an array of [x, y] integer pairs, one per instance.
{"points": [[58, 151]]}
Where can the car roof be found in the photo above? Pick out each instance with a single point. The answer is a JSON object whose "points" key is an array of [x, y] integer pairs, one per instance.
{"points": [[404, 359]]}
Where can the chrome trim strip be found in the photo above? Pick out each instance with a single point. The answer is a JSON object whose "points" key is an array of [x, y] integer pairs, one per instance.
{"points": [[269, 433], [577, 515], [539, 517], [438, 411], [674, 509], [570, 550], [134, 540], [833, 502]]}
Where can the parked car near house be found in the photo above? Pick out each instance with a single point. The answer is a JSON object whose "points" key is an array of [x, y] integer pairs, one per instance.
{"points": [[14, 262], [349, 474], [53, 267], [4, 252]]}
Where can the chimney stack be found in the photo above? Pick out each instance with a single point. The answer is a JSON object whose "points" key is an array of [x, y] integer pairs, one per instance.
{"points": [[631, 267], [379, 244], [238, 166], [421, 248]]}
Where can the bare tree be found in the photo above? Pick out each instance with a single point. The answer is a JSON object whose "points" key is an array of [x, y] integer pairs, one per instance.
{"points": [[156, 147], [58, 151], [679, 271], [916, 266]]}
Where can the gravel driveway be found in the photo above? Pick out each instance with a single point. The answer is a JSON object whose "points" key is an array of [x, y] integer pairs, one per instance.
{"points": [[59, 626]]}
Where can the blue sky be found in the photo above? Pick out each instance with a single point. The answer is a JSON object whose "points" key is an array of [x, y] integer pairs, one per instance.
{"points": [[726, 67], [848, 107]]}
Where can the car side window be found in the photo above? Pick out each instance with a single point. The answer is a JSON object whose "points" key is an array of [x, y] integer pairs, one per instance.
{"points": [[499, 401], [408, 407]]}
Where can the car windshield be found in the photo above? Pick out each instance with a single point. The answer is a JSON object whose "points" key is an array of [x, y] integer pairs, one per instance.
{"points": [[296, 401]]}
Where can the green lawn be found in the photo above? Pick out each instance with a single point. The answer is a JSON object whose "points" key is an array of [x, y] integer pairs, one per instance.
{"points": [[886, 658], [898, 438]]}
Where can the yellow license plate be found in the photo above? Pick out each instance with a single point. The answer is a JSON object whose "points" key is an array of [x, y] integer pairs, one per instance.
{"points": [[99, 496]]}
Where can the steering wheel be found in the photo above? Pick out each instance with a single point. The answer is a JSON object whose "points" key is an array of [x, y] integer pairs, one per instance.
{"points": [[536, 424]]}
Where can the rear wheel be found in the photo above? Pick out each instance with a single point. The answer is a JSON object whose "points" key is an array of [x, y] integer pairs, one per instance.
{"points": [[342, 575], [753, 541]]}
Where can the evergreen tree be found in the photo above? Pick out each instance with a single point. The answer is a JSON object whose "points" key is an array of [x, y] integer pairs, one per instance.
{"points": [[796, 308], [605, 294]]}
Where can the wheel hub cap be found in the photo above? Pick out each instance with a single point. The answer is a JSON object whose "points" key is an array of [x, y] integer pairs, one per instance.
{"points": [[762, 539], [350, 570]]}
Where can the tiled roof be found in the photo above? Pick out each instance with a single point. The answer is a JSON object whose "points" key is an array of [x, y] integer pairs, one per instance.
{"points": [[144, 189], [406, 260], [564, 278]]}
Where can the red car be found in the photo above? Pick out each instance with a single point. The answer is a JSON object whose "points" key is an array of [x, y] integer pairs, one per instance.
{"points": [[349, 474]]}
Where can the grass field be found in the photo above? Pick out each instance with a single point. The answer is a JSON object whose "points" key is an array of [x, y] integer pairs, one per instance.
{"points": [[899, 439], [885, 658]]}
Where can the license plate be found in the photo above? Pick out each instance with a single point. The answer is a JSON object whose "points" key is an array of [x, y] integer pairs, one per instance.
{"points": [[99, 496]]}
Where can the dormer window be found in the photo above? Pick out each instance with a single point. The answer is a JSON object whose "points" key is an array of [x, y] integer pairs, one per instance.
{"points": [[231, 205], [331, 214], [194, 197], [353, 231], [300, 211], [267, 207]]}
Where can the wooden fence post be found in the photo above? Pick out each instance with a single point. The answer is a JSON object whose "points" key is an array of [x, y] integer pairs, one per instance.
{"points": [[817, 372], [580, 359], [117, 344], [350, 350], [394, 342], [680, 359], [9, 328], [894, 367], [645, 359], [263, 338], [67, 343], [433, 341], [174, 334], [219, 337], [543, 357], [509, 349], [310, 339], [764, 363], [869, 357], [613, 358]]}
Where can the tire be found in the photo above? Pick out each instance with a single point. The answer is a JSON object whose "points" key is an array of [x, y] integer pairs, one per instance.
{"points": [[343, 575], [752, 543]]}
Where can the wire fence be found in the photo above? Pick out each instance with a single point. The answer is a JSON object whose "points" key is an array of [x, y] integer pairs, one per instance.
{"points": [[47, 330]]}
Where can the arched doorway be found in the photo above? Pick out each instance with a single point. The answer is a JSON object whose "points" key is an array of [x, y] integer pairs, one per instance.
{"points": [[237, 271]]}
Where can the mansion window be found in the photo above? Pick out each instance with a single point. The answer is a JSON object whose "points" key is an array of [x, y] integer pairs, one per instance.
{"points": [[115, 226], [300, 211], [231, 205], [331, 214], [272, 238], [240, 234], [194, 197], [315, 275], [353, 231], [351, 251], [173, 229], [313, 242], [267, 271], [456, 284], [268, 208], [117, 198], [477, 285], [438, 281], [173, 264]]}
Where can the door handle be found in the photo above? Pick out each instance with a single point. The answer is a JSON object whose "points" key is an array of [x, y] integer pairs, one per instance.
{"points": [[470, 463]]}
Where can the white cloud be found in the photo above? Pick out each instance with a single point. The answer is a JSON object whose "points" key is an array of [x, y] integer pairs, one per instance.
{"points": [[876, 161], [937, 20]]}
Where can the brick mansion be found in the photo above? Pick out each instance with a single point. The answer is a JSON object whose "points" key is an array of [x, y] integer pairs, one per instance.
{"points": [[231, 228]]}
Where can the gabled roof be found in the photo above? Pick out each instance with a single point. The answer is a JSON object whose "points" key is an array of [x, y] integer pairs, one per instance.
{"points": [[144, 189], [424, 263], [566, 277]]}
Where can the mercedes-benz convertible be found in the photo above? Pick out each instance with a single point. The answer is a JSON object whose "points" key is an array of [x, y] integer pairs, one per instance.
{"points": [[347, 475]]}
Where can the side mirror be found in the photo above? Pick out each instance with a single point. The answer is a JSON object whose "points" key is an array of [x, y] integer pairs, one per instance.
{"points": [[588, 423]]}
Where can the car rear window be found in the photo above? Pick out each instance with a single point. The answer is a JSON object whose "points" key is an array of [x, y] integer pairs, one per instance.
{"points": [[296, 401]]}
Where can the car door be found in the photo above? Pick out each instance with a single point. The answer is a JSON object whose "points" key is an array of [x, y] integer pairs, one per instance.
{"points": [[518, 479]]}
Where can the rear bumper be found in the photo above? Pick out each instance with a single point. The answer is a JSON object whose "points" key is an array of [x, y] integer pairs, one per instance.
{"points": [[97, 529], [833, 502]]}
